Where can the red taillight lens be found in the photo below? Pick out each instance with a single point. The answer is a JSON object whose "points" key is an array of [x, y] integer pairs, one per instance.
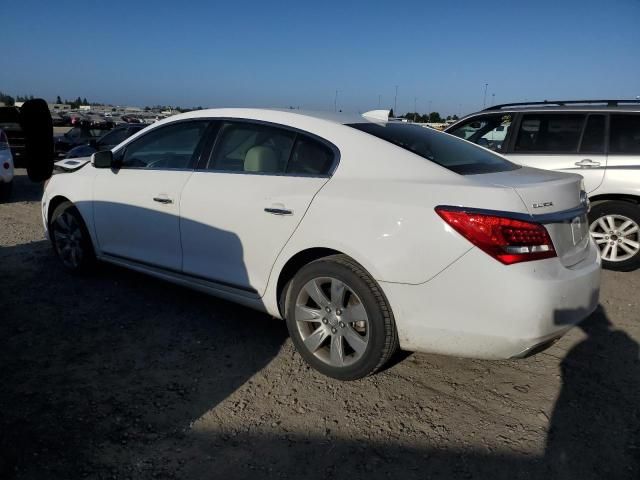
{"points": [[505, 239]]}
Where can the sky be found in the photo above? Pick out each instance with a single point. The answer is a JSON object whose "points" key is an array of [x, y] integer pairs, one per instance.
{"points": [[439, 54]]}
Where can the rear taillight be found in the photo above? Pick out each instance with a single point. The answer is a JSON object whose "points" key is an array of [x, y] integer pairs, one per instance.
{"points": [[505, 239]]}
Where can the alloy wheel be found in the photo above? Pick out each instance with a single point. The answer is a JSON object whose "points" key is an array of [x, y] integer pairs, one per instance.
{"points": [[332, 321], [617, 237], [67, 237]]}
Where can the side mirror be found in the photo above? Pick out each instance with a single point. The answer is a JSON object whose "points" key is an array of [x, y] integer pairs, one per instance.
{"points": [[475, 125], [103, 159]]}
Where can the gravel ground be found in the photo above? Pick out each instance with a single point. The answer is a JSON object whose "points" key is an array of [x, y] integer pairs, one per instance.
{"points": [[117, 375]]}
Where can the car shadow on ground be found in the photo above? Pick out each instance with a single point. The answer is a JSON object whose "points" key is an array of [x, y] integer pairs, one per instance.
{"points": [[104, 376]]}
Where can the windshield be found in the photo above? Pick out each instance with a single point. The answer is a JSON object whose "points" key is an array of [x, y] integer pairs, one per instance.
{"points": [[447, 151]]}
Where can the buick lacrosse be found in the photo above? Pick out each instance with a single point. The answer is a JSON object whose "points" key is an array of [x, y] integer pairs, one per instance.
{"points": [[365, 235]]}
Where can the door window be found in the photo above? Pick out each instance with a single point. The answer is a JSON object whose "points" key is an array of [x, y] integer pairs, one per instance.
{"points": [[173, 146], [553, 133], [489, 131], [252, 148], [310, 157], [625, 134], [593, 136]]}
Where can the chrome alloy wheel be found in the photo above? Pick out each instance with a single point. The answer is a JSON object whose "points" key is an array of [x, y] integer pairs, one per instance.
{"points": [[617, 237], [67, 238], [332, 321]]}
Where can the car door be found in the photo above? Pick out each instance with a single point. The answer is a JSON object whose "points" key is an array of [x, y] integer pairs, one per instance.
{"points": [[136, 206], [239, 210], [568, 142]]}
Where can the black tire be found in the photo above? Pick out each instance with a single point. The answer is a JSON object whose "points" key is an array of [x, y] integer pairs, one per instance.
{"points": [[84, 259], [381, 330], [37, 128], [5, 190], [628, 210]]}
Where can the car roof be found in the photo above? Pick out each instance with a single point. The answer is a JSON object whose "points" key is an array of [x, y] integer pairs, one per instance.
{"points": [[286, 114], [568, 105]]}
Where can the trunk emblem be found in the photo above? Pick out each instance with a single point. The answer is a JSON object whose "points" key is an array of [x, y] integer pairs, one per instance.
{"points": [[543, 204]]}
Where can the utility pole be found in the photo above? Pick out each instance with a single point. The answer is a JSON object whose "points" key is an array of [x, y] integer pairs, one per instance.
{"points": [[335, 102], [395, 102], [493, 99], [484, 99]]}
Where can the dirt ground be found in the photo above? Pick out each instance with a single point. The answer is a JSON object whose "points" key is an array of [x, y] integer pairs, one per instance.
{"points": [[117, 375]]}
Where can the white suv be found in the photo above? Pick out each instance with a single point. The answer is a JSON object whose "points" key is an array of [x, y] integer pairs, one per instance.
{"points": [[599, 139]]}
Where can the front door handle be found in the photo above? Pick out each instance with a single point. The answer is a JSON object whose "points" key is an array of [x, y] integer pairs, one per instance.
{"points": [[279, 211], [587, 163], [162, 199]]}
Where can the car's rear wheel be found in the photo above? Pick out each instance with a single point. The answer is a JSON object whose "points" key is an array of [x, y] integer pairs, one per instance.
{"points": [[615, 227], [70, 238], [339, 319]]}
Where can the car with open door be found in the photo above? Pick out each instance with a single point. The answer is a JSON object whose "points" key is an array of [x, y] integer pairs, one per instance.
{"points": [[598, 139], [365, 235]]}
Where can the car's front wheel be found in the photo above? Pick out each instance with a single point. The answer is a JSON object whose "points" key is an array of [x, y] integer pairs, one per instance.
{"points": [[70, 238], [339, 319], [615, 227]]}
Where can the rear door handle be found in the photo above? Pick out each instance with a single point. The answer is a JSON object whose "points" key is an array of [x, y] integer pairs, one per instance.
{"points": [[279, 211], [162, 199], [587, 163]]}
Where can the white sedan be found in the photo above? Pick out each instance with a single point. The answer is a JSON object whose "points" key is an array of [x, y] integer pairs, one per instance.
{"points": [[365, 235]]}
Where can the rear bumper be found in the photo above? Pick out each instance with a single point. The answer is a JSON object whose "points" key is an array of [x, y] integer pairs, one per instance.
{"points": [[480, 308]]}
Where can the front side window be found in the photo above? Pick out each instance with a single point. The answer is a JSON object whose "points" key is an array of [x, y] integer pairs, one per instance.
{"points": [[488, 131], [252, 148], [172, 146], [625, 134], [445, 150], [553, 133]]}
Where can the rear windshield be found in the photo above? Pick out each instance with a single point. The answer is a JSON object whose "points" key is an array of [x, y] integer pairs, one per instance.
{"points": [[446, 150]]}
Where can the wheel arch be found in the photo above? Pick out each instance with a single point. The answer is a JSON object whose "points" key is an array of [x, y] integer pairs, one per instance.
{"points": [[294, 264], [620, 197]]}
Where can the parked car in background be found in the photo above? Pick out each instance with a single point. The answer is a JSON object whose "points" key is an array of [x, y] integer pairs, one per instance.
{"points": [[6, 167], [10, 124], [599, 139], [365, 235], [107, 141], [79, 135]]}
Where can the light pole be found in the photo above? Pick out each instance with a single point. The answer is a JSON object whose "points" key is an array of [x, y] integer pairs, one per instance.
{"points": [[493, 99], [429, 111], [395, 102], [484, 99], [415, 108]]}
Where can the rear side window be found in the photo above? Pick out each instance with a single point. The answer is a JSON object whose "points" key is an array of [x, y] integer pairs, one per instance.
{"points": [[310, 157], [549, 133], [252, 148], [625, 134], [445, 150], [593, 136]]}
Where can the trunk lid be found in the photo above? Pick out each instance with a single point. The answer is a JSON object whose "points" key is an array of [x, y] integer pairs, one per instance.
{"points": [[554, 199]]}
